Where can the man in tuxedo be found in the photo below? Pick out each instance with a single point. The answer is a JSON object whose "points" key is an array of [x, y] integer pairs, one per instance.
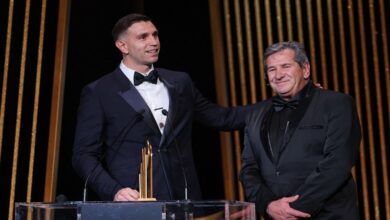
{"points": [[136, 103], [300, 145]]}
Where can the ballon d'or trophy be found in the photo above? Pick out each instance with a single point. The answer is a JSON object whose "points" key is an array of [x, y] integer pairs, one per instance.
{"points": [[146, 174]]}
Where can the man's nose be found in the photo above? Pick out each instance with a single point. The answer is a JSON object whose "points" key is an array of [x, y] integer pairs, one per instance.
{"points": [[279, 74], [153, 40]]}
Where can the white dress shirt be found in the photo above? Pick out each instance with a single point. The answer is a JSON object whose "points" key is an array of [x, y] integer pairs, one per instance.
{"points": [[155, 95]]}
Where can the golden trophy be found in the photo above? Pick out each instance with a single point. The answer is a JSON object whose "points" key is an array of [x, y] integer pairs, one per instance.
{"points": [[146, 174]]}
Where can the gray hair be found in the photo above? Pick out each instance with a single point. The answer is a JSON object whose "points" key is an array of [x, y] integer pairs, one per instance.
{"points": [[298, 48]]}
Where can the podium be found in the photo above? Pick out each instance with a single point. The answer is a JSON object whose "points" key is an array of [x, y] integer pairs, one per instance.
{"points": [[165, 210]]}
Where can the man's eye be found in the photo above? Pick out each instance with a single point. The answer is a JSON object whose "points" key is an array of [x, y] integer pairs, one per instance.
{"points": [[143, 37]]}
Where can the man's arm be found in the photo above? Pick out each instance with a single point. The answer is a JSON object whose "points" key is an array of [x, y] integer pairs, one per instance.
{"points": [[216, 116], [255, 189], [87, 150], [340, 151]]}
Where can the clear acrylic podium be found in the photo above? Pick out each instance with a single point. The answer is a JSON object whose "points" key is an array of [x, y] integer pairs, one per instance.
{"points": [[165, 210]]}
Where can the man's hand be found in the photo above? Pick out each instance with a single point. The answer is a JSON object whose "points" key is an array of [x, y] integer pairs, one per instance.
{"points": [[318, 85], [245, 213], [280, 209], [126, 194]]}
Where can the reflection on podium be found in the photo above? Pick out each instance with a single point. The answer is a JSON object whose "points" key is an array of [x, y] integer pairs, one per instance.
{"points": [[165, 210]]}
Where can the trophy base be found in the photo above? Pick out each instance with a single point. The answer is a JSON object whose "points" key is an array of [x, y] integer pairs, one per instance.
{"points": [[146, 199]]}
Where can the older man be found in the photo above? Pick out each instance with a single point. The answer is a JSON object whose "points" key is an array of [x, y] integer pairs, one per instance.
{"points": [[301, 144]]}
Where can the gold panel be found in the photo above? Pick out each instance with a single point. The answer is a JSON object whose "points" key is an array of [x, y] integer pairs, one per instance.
{"points": [[358, 99], [311, 37], [249, 46], [342, 40], [333, 57], [299, 10], [56, 101], [21, 104], [240, 54], [6, 71], [228, 160], [386, 60], [279, 20], [370, 126], [321, 39], [222, 97], [36, 100], [378, 94], [289, 20], [260, 47], [19, 110]]}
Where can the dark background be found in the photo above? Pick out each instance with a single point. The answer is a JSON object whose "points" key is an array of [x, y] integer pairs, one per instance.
{"points": [[185, 45]]}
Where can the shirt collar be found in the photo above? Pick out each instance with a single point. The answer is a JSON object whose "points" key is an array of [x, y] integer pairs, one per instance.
{"points": [[129, 73]]}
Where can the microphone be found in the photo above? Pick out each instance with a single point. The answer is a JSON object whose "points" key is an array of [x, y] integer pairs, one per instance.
{"points": [[121, 133], [61, 198], [165, 112]]}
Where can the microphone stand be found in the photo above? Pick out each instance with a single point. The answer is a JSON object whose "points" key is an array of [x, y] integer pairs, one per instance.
{"points": [[187, 206], [165, 112]]}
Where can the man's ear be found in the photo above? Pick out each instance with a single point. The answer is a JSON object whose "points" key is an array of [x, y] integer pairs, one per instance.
{"points": [[306, 70], [121, 45]]}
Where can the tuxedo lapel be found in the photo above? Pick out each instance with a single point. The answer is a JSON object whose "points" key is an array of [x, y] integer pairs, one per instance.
{"points": [[296, 118], [134, 99], [130, 94], [257, 128], [264, 134], [173, 108]]}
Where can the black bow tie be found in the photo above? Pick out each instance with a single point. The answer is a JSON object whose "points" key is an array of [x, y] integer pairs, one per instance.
{"points": [[139, 78], [279, 104]]}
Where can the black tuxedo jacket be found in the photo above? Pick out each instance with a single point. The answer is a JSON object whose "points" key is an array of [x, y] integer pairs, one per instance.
{"points": [[114, 123], [315, 161]]}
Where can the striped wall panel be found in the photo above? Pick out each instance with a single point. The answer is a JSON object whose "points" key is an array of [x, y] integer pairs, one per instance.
{"points": [[30, 59]]}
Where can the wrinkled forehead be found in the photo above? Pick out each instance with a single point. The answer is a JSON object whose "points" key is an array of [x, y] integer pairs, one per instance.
{"points": [[283, 56]]}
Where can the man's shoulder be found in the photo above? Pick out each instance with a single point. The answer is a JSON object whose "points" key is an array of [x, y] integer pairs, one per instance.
{"points": [[169, 71], [333, 95], [172, 74], [259, 108], [108, 80], [333, 99]]}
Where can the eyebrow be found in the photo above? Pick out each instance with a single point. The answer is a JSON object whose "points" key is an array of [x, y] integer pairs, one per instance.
{"points": [[143, 34]]}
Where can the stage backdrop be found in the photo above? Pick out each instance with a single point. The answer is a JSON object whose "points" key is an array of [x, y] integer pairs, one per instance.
{"points": [[50, 49]]}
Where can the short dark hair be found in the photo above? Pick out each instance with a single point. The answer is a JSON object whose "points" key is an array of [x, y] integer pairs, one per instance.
{"points": [[125, 22], [298, 48]]}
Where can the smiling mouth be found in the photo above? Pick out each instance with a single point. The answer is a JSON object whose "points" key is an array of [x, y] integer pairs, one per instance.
{"points": [[152, 52], [281, 82]]}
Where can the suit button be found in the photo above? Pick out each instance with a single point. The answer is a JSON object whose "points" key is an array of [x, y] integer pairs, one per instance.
{"points": [[277, 173]]}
